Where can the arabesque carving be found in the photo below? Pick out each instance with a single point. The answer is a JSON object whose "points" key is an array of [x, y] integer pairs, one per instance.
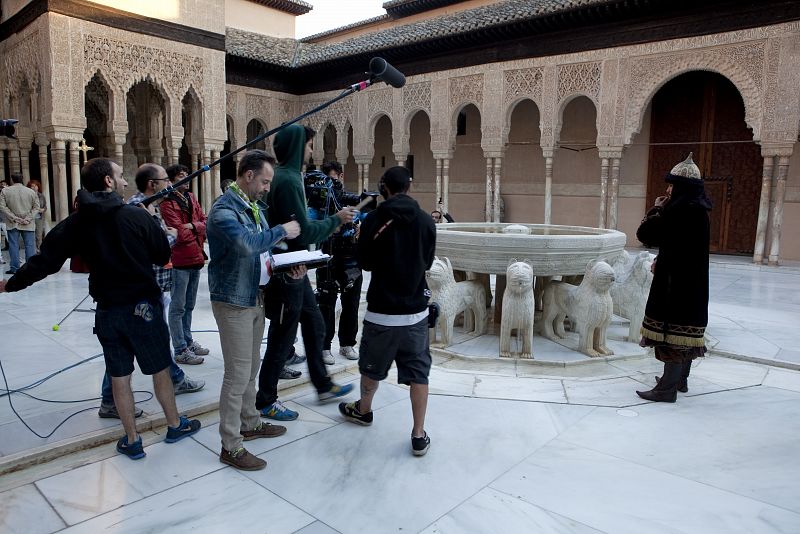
{"points": [[21, 63], [417, 96], [466, 89], [523, 83], [581, 78]]}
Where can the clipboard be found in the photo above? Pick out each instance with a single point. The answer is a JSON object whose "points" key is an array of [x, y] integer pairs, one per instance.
{"points": [[311, 259]]}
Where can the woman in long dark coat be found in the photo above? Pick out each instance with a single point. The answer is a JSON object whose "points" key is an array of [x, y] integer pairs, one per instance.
{"points": [[677, 308]]}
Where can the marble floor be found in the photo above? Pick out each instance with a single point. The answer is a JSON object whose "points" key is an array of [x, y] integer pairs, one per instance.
{"points": [[515, 448]]}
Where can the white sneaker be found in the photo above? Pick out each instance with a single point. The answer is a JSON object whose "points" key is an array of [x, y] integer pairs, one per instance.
{"points": [[328, 358], [349, 353]]}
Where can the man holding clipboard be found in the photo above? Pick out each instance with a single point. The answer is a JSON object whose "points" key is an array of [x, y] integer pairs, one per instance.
{"points": [[290, 301]]}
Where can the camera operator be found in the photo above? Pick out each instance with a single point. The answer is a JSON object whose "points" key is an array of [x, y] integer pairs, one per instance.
{"points": [[326, 195]]}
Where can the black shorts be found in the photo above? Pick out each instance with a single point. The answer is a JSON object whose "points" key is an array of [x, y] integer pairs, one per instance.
{"points": [[407, 346], [133, 330]]}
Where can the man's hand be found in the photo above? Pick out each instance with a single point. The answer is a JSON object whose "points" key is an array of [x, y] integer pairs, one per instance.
{"points": [[346, 215], [2, 286], [188, 226], [292, 229], [298, 271], [172, 231], [660, 201]]}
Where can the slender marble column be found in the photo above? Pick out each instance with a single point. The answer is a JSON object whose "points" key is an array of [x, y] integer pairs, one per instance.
{"points": [[438, 195], [613, 205], [206, 182], [45, 178], [759, 250], [777, 213], [365, 182], [489, 176], [603, 191], [548, 190], [216, 188], [14, 164], [446, 184], [498, 163], [24, 160], [2, 161], [59, 153], [75, 167], [195, 157]]}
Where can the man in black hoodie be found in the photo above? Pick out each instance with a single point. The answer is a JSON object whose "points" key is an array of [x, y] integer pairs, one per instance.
{"points": [[288, 299], [120, 244], [397, 244]]}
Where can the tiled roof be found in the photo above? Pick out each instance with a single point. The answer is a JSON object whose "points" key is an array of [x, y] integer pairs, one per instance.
{"points": [[366, 22], [295, 7], [291, 53], [404, 8]]}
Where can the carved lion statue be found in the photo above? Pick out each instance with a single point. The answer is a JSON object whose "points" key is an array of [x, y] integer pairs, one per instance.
{"points": [[588, 305], [453, 298], [631, 289], [518, 309]]}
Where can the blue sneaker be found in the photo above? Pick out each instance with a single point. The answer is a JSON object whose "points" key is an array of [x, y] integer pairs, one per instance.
{"points": [[187, 427], [279, 412], [134, 451], [335, 392]]}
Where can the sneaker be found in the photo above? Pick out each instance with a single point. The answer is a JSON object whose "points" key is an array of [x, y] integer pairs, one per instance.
{"points": [[186, 427], [288, 373], [134, 451], [198, 349], [11, 272], [335, 392], [263, 430], [187, 385], [279, 412], [419, 446], [349, 353], [295, 358], [109, 411], [241, 459], [351, 412], [187, 357], [328, 358]]}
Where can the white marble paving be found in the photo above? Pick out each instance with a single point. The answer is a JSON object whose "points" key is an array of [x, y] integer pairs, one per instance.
{"points": [[488, 509], [783, 379], [224, 501], [531, 389], [564, 478], [96, 488], [25, 511], [611, 392], [343, 465], [728, 373]]}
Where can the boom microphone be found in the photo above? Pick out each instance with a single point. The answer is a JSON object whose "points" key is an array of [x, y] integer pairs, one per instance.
{"points": [[380, 69]]}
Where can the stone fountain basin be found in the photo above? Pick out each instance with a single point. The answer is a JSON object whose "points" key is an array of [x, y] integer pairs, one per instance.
{"points": [[550, 249]]}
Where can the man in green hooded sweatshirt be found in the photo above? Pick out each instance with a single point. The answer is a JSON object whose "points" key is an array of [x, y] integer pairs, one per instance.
{"points": [[289, 300]]}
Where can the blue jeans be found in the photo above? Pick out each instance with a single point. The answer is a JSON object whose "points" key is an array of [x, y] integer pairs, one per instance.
{"points": [[29, 237], [184, 297]]}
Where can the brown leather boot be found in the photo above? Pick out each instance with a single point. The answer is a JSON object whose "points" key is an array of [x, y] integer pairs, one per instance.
{"points": [[659, 395], [241, 459], [683, 385], [263, 430]]}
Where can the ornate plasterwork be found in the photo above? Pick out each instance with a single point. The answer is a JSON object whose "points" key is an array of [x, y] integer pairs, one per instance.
{"points": [[521, 83], [379, 101], [257, 107], [123, 64], [583, 78], [648, 74], [20, 64], [464, 89], [230, 103], [417, 96]]}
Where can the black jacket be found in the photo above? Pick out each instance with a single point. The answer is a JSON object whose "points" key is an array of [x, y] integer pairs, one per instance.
{"points": [[397, 243], [120, 244]]}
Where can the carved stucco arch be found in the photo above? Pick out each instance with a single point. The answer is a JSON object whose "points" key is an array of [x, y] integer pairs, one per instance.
{"points": [[642, 94], [453, 122], [410, 117], [558, 119], [509, 112], [372, 123]]}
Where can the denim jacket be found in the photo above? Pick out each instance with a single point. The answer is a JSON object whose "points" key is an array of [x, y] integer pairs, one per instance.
{"points": [[235, 243]]}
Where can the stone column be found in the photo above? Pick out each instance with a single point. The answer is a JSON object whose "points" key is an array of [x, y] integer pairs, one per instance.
{"points": [[195, 164], [14, 165], [498, 163], [489, 179], [759, 250], [59, 153], [206, 182], [445, 184], [777, 213], [613, 204], [174, 150], [548, 186], [365, 176], [401, 159], [216, 188], [438, 164], [2, 160], [603, 192], [24, 159], [75, 167], [42, 143]]}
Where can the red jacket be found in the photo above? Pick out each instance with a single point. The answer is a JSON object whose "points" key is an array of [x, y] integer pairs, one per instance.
{"points": [[188, 251]]}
